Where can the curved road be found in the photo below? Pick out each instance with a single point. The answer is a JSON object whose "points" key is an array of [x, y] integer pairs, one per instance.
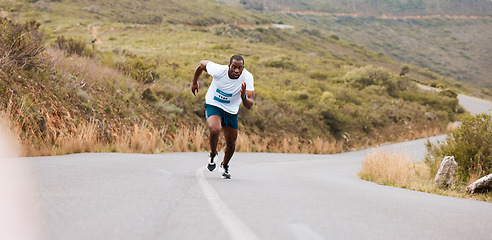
{"points": [[271, 196]]}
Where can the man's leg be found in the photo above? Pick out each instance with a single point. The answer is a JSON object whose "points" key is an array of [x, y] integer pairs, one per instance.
{"points": [[230, 135], [214, 126]]}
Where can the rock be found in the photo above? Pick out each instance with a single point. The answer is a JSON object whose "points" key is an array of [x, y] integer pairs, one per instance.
{"points": [[199, 112], [42, 124], [445, 175], [480, 185]]}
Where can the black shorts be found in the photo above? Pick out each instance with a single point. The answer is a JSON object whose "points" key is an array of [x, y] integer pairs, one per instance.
{"points": [[227, 119]]}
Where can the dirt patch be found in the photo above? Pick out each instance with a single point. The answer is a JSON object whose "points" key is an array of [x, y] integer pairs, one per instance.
{"points": [[95, 37]]}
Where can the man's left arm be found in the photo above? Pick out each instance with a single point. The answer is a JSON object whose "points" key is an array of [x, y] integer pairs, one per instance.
{"points": [[247, 97]]}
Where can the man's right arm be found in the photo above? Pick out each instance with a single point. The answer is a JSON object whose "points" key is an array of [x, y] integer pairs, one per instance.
{"points": [[202, 66]]}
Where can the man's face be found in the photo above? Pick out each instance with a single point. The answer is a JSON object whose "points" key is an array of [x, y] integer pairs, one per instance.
{"points": [[235, 69]]}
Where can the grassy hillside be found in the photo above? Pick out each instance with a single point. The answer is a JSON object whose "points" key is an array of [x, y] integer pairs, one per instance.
{"points": [[455, 48], [131, 88]]}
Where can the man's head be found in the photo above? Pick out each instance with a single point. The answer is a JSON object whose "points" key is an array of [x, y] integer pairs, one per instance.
{"points": [[236, 66]]}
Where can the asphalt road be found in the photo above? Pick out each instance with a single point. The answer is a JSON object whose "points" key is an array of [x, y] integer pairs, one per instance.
{"points": [[475, 105], [270, 196]]}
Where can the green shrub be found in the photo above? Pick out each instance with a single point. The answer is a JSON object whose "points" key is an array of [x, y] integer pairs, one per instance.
{"points": [[335, 120], [222, 46], [299, 95], [448, 93], [435, 101], [205, 21], [366, 76], [228, 30], [73, 46], [334, 36], [318, 75], [149, 95], [139, 68], [471, 146], [348, 95], [266, 35], [281, 62], [253, 37], [310, 32]]}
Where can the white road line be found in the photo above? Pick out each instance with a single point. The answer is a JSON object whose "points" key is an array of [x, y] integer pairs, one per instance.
{"points": [[234, 226]]}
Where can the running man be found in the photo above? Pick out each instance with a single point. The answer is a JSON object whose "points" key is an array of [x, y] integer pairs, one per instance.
{"points": [[230, 86]]}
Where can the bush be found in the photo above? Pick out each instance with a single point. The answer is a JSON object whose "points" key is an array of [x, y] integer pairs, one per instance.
{"points": [[266, 35], [448, 93], [141, 69], [149, 95], [281, 62], [73, 46], [334, 36], [366, 76], [335, 120], [312, 32], [318, 75], [20, 45], [228, 30], [471, 146], [435, 101]]}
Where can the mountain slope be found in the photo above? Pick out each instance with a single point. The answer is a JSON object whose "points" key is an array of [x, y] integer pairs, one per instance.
{"points": [[456, 48], [374, 7], [312, 88]]}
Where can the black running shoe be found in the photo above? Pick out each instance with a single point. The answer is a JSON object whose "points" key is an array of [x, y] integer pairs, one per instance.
{"points": [[224, 169], [211, 163]]}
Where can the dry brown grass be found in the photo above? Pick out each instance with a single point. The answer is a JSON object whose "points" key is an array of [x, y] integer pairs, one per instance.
{"points": [[399, 170], [180, 143], [82, 139], [141, 139], [87, 137], [67, 138], [388, 168], [198, 136], [452, 126], [321, 146], [288, 144]]}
